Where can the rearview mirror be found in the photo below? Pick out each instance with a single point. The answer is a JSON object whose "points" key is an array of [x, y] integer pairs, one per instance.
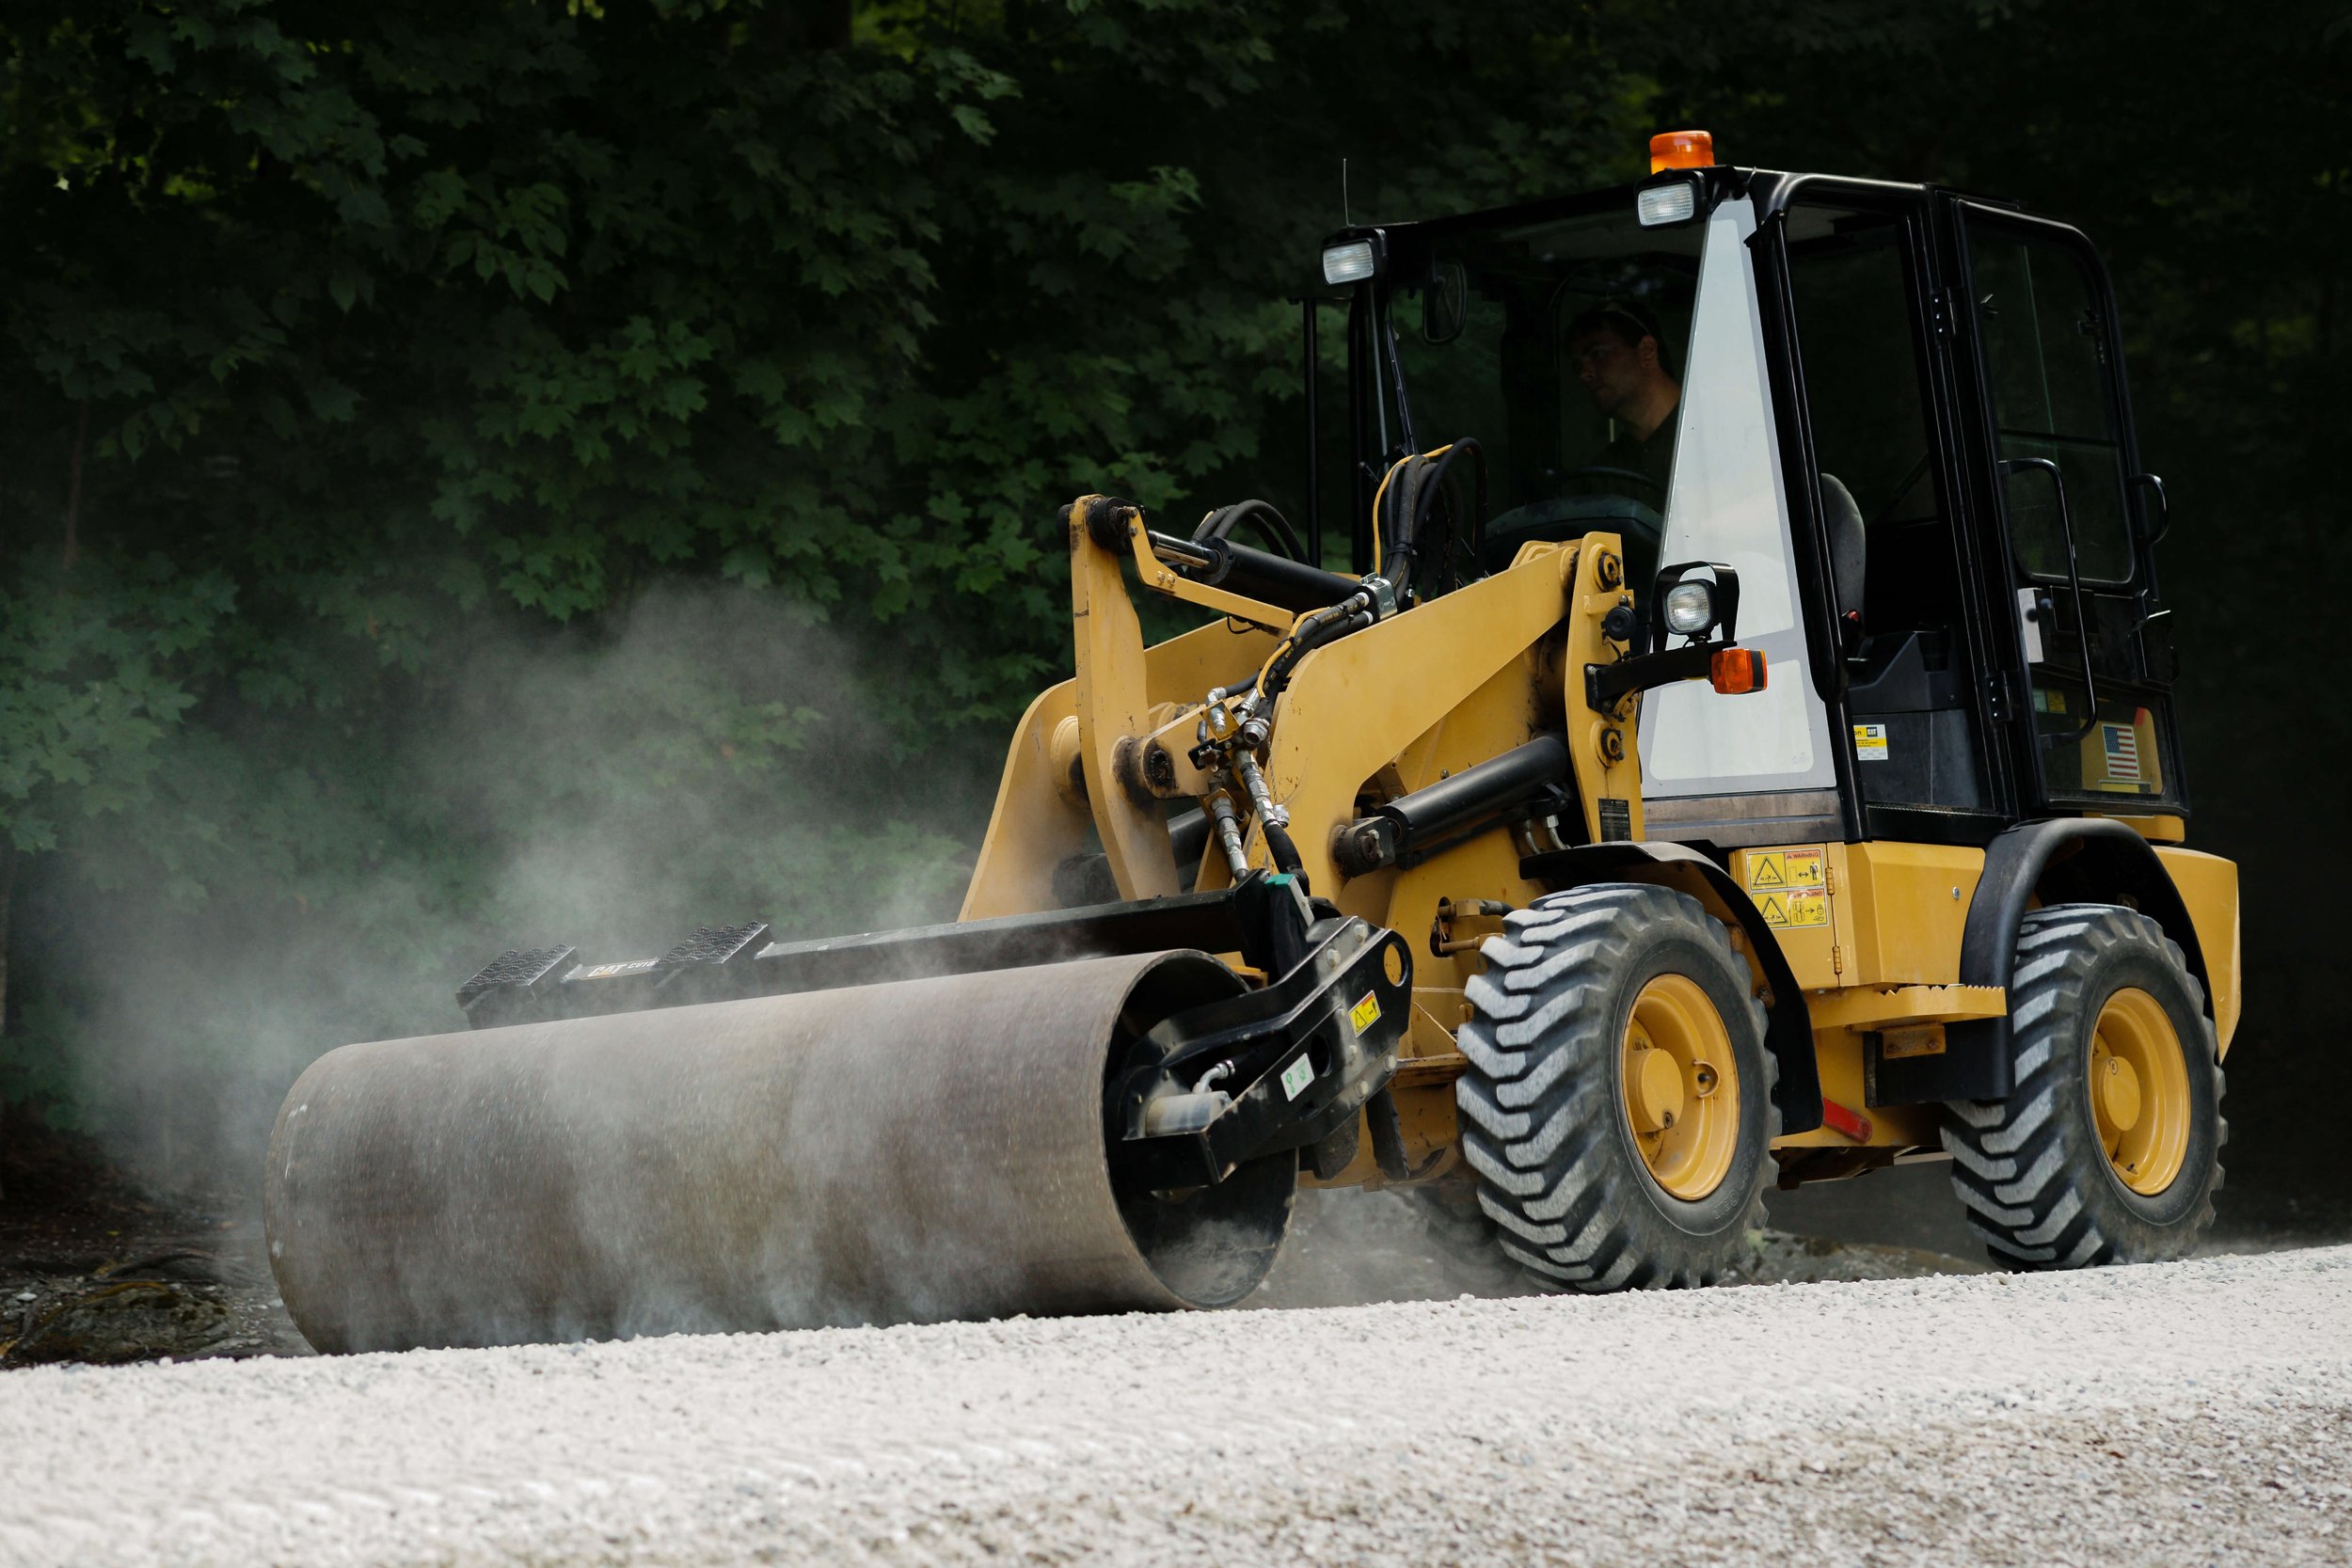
{"points": [[1445, 303], [2153, 535]]}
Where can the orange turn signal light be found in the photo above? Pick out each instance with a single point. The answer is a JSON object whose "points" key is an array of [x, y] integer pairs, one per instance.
{"points": [[1681, 150], [1733, 671]]}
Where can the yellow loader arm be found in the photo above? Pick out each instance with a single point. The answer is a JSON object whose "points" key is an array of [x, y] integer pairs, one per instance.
{"points": [[1483, 668]]}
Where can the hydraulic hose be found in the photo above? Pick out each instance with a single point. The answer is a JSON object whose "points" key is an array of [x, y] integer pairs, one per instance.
{"points": [[1350, 614], [1271, 526], [1407, 495], [1279, 845]]}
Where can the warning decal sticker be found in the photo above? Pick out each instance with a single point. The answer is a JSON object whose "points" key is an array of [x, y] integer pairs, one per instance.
{"points": [[1364, 1014], [1797, 907], [1770, 868], [1789, 887], [1869, 743]]}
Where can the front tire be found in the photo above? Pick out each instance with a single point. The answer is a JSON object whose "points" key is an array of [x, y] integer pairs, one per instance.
{"points": [[1617, 1102], [2107, 1149]]}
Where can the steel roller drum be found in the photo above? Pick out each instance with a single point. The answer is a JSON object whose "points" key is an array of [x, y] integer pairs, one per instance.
{"points": [[923, 1150]]}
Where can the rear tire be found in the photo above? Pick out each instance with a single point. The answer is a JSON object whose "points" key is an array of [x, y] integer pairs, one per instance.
{"points": [[1617, 1102], [2107, 1149]]}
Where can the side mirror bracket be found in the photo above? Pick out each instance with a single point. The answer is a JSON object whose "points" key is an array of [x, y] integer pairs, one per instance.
{"points": [[1706, 611]]}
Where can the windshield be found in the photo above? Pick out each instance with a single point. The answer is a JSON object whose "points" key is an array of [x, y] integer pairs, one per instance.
{"points": [[1615, 379], [1560, 345]]}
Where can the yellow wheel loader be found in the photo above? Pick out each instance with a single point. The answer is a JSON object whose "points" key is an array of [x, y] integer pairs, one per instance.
{"points": [[1738, 748]]}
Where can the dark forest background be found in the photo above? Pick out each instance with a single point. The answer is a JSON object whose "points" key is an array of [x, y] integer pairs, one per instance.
{"points": [[475, 474]]}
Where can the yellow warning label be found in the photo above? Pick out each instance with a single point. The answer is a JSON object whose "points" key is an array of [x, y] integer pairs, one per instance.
{"points": [[1771, 868], [1794, 906], [1364, 1014]]}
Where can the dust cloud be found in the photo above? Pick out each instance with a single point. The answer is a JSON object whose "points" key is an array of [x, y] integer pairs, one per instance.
{"points": [[704, 758]]}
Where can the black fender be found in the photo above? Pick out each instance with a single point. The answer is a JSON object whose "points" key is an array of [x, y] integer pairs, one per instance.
{"points": [[2068, 859], [1788, 1023]]}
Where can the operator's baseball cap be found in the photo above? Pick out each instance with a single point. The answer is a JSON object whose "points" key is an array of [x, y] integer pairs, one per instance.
{"points": [[1628, 318]]}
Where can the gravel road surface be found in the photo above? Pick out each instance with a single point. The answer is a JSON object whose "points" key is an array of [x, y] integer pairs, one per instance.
{"points": [[2194, 1413]]}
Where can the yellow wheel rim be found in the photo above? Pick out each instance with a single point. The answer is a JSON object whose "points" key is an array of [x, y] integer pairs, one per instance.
{"points": [[1679, 1085], [2139, 1091]]}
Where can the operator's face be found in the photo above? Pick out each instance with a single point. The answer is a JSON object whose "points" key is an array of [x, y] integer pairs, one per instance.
{"points": [[1612, 369]]}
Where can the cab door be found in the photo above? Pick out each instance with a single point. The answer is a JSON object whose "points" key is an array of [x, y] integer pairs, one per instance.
{"points": [[2079, 626], [1884, 474]]}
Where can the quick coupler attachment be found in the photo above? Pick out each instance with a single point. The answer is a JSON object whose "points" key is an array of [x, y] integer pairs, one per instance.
{"points": [[1281, 1068]]}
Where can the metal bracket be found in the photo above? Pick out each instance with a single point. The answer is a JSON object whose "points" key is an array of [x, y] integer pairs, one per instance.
{"points": [[1281, 1068]]}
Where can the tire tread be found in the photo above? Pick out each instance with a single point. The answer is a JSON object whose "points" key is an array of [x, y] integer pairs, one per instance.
{"points": [[1538, 1094], [2027, 1200]]}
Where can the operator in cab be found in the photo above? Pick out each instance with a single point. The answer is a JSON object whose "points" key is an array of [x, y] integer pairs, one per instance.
{"points": [[1614, 348]]}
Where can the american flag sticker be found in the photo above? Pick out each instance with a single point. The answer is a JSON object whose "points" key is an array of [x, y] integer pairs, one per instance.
{"points": [[2123, 748]]}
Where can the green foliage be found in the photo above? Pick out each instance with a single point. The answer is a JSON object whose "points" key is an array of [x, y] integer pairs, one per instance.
{"points": [[88, 690]]}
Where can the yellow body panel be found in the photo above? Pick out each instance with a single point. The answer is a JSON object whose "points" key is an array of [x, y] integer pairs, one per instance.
{"points": [[1904, 910], [1114, 709], [1355, 705], [1485, 867], [1890, 1008], [2208, 886], [2156, 830], [1600, 745], [1039, 820]]}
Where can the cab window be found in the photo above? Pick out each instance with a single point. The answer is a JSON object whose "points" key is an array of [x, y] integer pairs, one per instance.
{"points": [[1560, 347]]}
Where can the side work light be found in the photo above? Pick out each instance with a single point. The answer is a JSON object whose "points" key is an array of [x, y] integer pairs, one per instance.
{"points": [[1689, 608]]}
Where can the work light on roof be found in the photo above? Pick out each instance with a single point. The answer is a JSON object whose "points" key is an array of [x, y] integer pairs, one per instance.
{"points": [[1661, 204], [1348, 264]]}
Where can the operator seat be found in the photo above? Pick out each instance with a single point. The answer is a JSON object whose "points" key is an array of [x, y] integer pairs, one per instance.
{"points": [[1849, 554]]}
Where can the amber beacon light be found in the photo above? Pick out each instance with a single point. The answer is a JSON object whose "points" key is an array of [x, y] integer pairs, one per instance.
{"points": [[1681, 150]]}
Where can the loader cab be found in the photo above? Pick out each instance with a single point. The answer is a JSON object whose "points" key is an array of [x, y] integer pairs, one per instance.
{"points": [[1899, 412]]}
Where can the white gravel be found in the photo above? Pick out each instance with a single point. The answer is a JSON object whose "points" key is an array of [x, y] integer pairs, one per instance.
{"points": [[2195, 1413]]}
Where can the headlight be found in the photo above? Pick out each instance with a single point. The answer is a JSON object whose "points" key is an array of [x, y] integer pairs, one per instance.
{"points": [[1689, 608], [1348, 264], [1662, 204]]}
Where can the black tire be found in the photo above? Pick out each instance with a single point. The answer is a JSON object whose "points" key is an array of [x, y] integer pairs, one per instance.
{"points": [[2034, 1169], [1543, 1115]]}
